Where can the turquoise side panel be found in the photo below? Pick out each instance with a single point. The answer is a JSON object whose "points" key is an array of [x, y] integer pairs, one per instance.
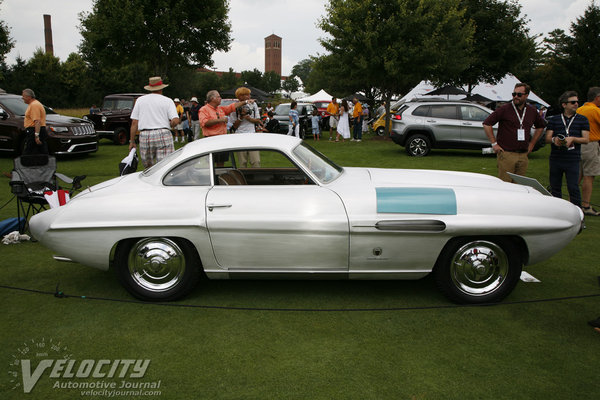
{"points": [[416, 201]]}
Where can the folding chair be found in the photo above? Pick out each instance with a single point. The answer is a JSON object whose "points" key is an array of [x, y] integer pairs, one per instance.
{"points": [[33, 175]]}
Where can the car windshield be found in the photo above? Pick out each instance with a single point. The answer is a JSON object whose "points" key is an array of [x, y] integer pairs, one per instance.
{"points": [[16, 106], [323, 168], [149, 171], [117, 104]]}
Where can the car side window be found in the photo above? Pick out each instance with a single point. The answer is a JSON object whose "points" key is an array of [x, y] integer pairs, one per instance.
{"points": [[270, 168], [194, 172], [471, 113], [421, 111], [443, 111]]}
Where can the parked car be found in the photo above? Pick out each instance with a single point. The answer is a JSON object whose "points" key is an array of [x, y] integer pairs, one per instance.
{"points": [[300, 215], [378, 122], [304, 111], [66, 135], [422, 125], [114, 119]]}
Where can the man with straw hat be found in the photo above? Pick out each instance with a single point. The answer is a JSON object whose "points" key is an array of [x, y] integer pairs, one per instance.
{"points": [[153, 115]]}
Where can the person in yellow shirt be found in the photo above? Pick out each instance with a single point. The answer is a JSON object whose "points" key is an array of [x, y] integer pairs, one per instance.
{"points": [[590, 153], [179, 127], [36, 137], [333, 109], [357, 121]]}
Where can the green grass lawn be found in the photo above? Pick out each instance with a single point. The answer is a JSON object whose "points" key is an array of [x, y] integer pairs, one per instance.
{"points": [[396, 340]]}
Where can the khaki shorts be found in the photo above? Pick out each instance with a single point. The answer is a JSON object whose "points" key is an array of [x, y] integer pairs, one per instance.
{"points": [[333, 122], [590, 159]]}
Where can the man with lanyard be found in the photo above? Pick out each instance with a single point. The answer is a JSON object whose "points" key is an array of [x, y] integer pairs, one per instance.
{"points": [[153, 115], [514, 140], [333, 110], [567, 132], [36, 137], [194, 110]]}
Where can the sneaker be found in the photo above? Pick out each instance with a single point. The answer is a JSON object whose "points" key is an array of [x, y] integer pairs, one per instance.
{"points": [[358, 140], [595, 323], [590, 211]]}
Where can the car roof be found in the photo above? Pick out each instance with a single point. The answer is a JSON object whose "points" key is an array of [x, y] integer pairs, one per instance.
{"points": [[434, 100], [238, 141], [125, 95]]}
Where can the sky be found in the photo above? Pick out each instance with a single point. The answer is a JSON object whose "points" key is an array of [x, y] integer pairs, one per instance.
{"points": [[251, 21]]}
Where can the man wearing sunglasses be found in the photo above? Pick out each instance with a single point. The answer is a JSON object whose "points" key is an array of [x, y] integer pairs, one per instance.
{"points": [[514, 140], [590, 153], [567, 132]]}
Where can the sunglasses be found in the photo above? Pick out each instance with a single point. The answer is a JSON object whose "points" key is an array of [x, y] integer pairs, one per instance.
{"points": [[518, 94], [572, 102]]}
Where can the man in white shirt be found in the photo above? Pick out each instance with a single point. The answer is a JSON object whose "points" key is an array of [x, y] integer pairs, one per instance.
{"points": [[153, 115]]}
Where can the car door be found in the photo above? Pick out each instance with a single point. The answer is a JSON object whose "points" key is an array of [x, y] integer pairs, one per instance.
{"points": [[278, 221], [443, 120], [471, 132]]}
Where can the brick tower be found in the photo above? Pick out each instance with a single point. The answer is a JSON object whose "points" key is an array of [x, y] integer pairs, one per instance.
{"points": [[273, 54]]}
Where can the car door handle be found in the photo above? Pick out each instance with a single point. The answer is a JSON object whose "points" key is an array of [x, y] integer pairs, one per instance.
{"points": [[467, 123], [213, 206], [431, 120]]}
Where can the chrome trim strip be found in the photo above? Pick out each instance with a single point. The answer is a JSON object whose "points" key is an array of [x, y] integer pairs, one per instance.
{"points": [[412, 225], [62, 259]]}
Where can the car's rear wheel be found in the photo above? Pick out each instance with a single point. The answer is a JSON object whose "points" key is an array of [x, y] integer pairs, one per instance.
{"points": [[475, 271], [121, 136], [380, 131], [418, 145], [157, 268]]}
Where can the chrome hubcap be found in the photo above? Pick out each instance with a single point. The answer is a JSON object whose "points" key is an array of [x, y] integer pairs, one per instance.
{"points": [[156, 264], [479, 268], [418, 147]]}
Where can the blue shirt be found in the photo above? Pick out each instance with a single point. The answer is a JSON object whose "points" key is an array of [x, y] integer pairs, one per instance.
{"points": [[576, 125], [295, 117], [315, 121]]}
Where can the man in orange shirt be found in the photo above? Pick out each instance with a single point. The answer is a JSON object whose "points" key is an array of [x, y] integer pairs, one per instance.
{"points": [[333, 110], [213, 116], [36, 137], [590, 153], [357, 120]]}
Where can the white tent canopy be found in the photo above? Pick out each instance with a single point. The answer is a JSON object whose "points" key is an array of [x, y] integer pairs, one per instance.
{"points": [[500, 91], [321, 95]]}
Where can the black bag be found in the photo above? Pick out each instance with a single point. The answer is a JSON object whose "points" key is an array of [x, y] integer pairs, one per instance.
{"points": [[128, 166]]}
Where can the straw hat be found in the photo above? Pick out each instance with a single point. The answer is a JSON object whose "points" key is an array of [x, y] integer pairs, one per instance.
{"points": [[155, 83]]}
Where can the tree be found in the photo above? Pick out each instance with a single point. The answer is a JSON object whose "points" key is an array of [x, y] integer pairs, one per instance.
{"points": [[501, 42], [158, 35], [252, 78], [303, 69], [229, 80], [271, 82], [6, 42], [394, 44], [291, 84]]}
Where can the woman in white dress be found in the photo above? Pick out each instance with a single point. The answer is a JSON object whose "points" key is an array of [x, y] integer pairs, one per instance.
{"points": [[343, 125]]}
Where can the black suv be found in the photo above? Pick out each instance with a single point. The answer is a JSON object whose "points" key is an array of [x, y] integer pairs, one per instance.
{"points": [[305, 111], [66, 135], [114, 119]]}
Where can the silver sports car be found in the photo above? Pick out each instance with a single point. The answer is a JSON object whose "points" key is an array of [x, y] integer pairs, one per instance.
{"points": [[299, 215]]}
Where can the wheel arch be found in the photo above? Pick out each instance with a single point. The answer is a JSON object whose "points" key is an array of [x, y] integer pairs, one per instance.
{"points": [[126, 241], [517, 241], [423, 131]]}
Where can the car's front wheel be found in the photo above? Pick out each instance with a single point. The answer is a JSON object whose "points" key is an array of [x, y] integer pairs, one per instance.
{"points": [[157, 268], [380, 131], [418, 145], [478, 271]]}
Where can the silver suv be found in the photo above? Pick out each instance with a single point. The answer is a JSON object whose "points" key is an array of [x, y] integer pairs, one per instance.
{"points": [[421, 125]]}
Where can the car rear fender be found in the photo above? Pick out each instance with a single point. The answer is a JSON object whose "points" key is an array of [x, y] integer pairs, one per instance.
{"points": [[125, 242], [423, 131]]}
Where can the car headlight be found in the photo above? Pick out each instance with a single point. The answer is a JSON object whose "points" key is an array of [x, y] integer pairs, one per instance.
{"points": [[103, 119], [58, 129]]}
